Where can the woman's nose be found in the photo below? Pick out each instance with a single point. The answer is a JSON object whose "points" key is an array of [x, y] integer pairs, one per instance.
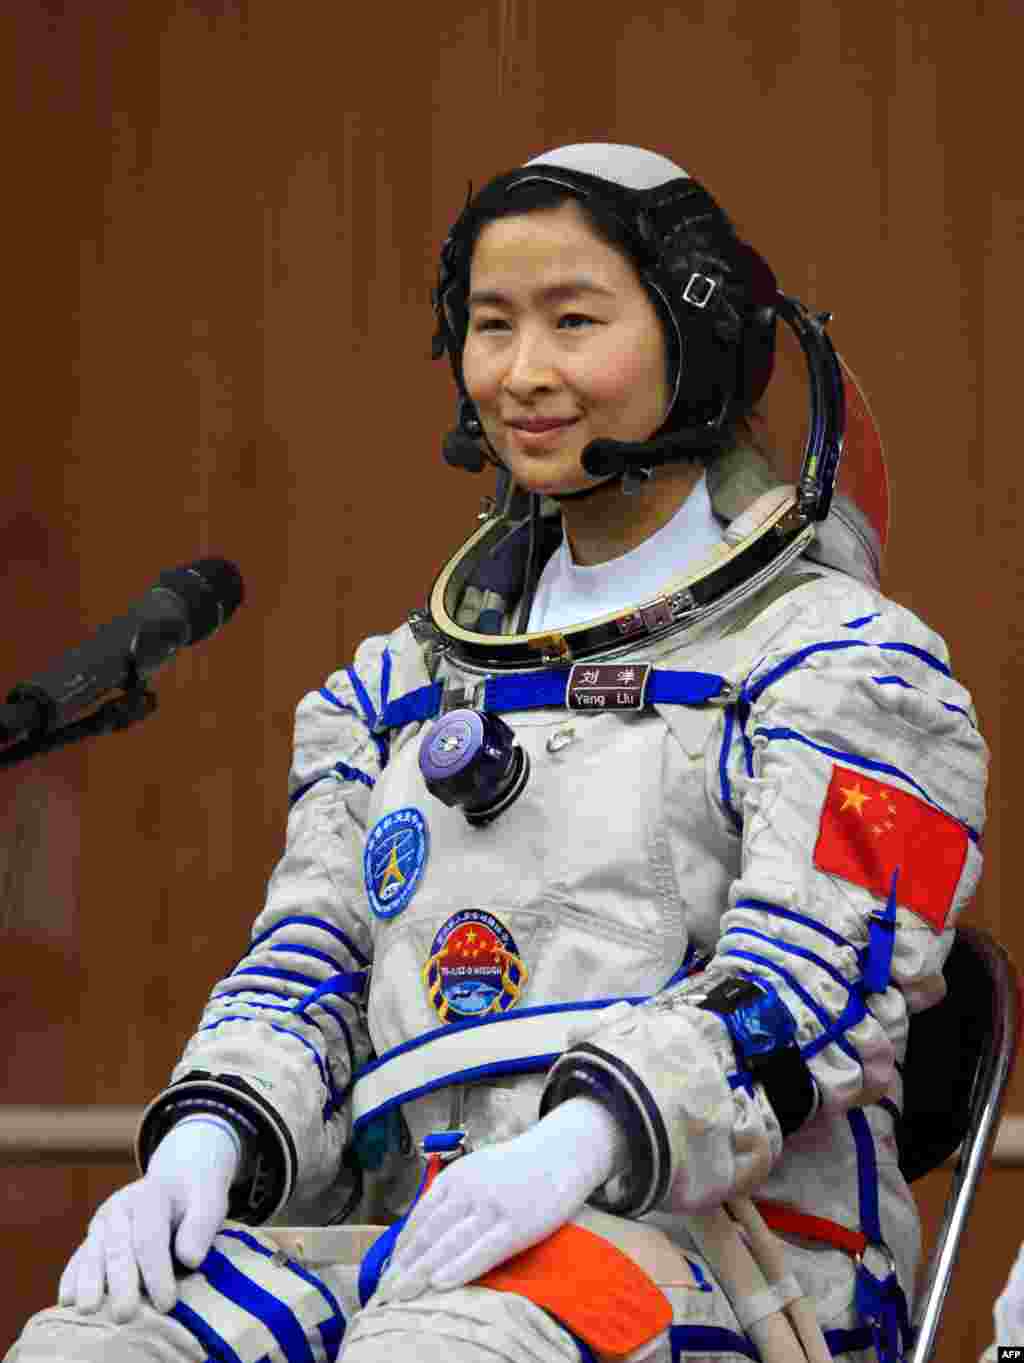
{"points": [[531, 364]]}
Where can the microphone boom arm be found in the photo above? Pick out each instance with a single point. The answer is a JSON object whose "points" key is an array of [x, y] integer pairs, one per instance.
{"points": [[119, 712]]}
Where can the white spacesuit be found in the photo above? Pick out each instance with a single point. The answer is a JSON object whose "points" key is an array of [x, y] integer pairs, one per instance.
{"points": [[765, 825]]}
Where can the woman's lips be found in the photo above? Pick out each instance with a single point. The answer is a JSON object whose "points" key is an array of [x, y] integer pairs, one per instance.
{"points": [[540, 433]]}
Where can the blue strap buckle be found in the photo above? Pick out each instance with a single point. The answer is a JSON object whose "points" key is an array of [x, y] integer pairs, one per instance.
{"points": [[449, 1145], [882, 1306]]}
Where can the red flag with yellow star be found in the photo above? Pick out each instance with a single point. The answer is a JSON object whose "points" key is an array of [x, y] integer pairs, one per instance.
{"points": [[869, 829]]}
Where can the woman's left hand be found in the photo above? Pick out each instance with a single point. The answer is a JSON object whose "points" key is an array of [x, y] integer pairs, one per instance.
{"points": [[494, 1203]]}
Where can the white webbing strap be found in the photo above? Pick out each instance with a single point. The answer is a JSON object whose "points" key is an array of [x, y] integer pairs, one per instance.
{"points": [[753, 1308], [511, 1043]]}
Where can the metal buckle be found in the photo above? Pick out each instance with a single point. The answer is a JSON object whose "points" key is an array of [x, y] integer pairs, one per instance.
{"points": [[462, 1147], [705, 286], [455, 1128], [463, 697], [562, 652], [422, 627], [729, 694], [883, 1249], [680, 602]]}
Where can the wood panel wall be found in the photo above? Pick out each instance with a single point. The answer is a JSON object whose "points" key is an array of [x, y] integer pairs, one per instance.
{"points": [[219, 232]]}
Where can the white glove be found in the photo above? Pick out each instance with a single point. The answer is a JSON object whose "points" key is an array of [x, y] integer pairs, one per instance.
{"points": [[494, 1203], [1008, 1311], [185, 1186]]}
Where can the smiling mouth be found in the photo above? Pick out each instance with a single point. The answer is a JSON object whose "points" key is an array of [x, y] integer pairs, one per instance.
{"points": [[540, 437], [543, 424]]}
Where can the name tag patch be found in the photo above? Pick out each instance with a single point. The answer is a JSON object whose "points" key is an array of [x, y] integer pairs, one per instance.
{"points": [[607, 686]]}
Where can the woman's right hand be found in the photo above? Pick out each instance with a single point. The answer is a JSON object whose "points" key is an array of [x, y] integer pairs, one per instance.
{"points": [[185, 1188]]}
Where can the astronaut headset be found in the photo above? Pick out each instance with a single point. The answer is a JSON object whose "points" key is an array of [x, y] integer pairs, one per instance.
{"points": [[718, 301]]}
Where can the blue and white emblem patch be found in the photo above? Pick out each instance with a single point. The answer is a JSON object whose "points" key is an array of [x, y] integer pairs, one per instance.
{"points": [[393, 862]]}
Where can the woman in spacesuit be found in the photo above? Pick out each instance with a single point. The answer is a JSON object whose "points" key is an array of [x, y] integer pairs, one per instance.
{"points": [[611, 879]]}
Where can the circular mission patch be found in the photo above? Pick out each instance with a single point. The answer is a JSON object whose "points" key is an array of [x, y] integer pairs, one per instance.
{"points": [[474, 967], [393, 861]]}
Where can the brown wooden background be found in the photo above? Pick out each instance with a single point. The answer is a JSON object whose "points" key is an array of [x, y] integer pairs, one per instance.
{"points": [[218, 233]]}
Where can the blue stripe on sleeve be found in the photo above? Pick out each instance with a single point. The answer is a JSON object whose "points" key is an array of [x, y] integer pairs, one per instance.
{"points": [[251, 989], [723, 770], [369, 713], [791, 662], [794, 660], [385, 679], [921, 653], [299, 1013], [354, 774], [762, 906], [347, 985], [322, 1066], [899, 681], [863, 620], [340, 769], [783, 945], [299, 979], [229, 1280], [331, 1012], [271, 972], [867, 763], [297, 794], [306, 920], [216, 1345], [329, 695], [296, 1005], [308, 951]]}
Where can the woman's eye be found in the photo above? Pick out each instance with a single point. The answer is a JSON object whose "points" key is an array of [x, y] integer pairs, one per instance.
{"points": [[496, 323]]}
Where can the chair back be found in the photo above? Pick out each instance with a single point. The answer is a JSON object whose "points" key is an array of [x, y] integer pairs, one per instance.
{"points": [[960, 1056]]}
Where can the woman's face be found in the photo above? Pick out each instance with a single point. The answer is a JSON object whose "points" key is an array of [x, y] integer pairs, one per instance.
{"points": [[560, 327]]}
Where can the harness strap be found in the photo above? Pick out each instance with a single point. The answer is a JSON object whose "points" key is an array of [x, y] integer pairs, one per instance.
{"points": [[777, 1216], [881, 1302], [538, 690], [378, 1256]]}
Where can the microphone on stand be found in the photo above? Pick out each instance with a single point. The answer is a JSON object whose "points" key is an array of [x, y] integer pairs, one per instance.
{"points": [[185, 605]]}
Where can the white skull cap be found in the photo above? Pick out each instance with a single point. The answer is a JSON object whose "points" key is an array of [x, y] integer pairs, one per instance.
{"points": [[631, 167]]}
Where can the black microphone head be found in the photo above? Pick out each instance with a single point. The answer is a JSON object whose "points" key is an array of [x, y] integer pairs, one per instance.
{"points": [[605, 456], [462, 452], [212, 590]]}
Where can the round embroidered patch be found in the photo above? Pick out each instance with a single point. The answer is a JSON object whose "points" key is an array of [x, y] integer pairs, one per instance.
{"points": [[393, 862], [474, 968]]}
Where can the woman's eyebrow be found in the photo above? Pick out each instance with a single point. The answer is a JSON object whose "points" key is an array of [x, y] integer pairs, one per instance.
{"points": [[568, 289]]}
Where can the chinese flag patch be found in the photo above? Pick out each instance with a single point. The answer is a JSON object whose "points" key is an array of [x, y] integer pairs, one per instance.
{"points": [[868, 829]]}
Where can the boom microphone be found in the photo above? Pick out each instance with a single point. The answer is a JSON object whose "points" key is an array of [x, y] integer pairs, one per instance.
{"points": [[185, 605]]}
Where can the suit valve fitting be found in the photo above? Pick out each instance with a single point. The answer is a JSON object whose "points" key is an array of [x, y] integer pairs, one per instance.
{"points": [[471, 758]]}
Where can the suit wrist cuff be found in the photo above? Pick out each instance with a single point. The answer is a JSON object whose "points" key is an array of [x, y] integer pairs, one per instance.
{"points": [[265, 1181], [587, 1071]]}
